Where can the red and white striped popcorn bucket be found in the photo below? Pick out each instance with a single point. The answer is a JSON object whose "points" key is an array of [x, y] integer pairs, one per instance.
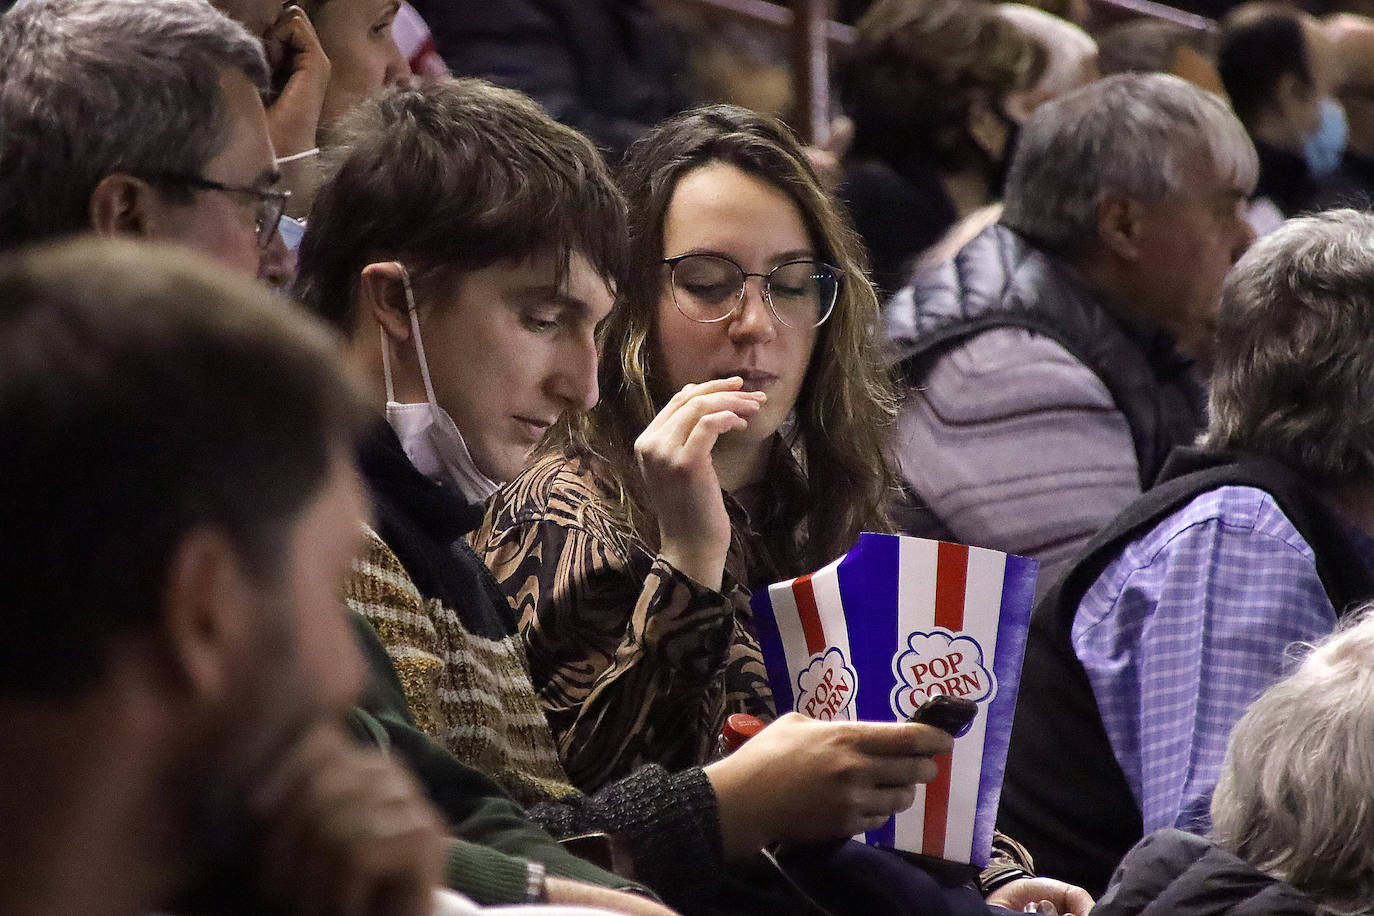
{"points": [[895, 621]]}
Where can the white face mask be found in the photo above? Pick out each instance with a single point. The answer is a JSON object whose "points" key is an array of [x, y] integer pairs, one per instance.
{"points": [[428, 435]]}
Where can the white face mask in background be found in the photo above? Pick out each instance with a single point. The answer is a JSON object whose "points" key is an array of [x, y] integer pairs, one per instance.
{"points": [[428, 435]]}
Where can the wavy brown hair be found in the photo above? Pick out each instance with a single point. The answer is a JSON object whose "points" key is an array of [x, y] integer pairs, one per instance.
{"points": [[847, 400]]}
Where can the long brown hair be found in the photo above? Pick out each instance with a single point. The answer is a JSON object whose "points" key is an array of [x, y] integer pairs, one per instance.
{"points": [[847, 401]]}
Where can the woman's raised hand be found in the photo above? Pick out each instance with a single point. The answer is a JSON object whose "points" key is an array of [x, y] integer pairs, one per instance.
{"points": [[674, 454]]}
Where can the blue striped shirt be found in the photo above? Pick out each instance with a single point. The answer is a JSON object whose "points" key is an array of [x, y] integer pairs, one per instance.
{"points": [[1187, 628]]}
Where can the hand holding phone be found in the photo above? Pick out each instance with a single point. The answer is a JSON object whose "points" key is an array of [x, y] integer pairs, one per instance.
{"points": [[952, 715], [300, 78]]}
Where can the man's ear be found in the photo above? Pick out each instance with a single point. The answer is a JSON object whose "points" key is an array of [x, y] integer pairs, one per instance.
{"points": [[210, 604], [122, 205], [382, 294], [1119, 224]]}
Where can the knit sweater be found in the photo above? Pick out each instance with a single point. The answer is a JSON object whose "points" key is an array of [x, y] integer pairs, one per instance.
{"points": [[470, 693], [448, 634]]}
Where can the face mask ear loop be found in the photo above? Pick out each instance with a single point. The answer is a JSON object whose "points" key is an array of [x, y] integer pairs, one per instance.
{"points": [[386, 365], [419, 341]]}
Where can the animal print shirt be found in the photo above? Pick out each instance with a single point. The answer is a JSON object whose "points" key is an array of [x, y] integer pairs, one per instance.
{"points": [[633, 661]]}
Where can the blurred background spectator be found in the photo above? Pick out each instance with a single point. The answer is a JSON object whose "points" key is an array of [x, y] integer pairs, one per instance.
{"points": [[1052, 363], [610, 68], [1281, 72], [1071, 62], [1159, 46], [929, 85]]}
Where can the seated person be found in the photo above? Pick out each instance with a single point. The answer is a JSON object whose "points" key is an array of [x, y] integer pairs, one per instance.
{"points": [[210, 70], [1181, 612], [184, 157], [180, 513], [1053, 362], [467, 239], [1281, 72], [1070, 63], [929, 86], [1291, 812]]}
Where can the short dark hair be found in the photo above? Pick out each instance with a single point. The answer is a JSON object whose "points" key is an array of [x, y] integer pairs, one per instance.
{"points": [[449, 178], [1149, 46], [93, 87], [144, 394], [1258, 44]]}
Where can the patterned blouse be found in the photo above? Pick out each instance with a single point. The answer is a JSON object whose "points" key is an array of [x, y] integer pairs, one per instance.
{"points": [[633, 661]]}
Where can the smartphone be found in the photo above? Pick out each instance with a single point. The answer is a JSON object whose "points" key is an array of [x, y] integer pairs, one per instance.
{"points": [[949, 714], [281, 60]]}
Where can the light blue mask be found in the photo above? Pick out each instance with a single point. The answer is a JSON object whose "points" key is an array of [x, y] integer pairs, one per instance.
{"points": [[292, 231], [1324, 147]]}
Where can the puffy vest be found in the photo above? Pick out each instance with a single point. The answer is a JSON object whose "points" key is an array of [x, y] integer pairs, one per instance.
{"points": [[1000, 280]]}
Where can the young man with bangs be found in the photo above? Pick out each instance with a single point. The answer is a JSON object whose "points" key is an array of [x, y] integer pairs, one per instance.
{"points": [[464, 242]]}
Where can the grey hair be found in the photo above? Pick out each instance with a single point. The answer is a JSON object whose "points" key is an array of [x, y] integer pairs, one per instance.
{"points": [[93, 87], [1128, 135], [1296, 794], [1294, 373]]}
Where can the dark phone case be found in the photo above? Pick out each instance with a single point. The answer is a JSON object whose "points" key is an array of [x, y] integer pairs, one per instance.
{"points": [[949, 714]]}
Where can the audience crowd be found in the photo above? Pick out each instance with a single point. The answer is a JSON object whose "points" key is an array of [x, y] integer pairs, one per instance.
{"points": [[400, 406]]}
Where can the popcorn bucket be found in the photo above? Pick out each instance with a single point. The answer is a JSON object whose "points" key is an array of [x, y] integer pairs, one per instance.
{"points": [[876, 633]]}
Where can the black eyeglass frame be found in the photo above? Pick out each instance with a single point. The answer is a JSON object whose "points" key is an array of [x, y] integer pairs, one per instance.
{"points": [[767, 287], [270, 202]]}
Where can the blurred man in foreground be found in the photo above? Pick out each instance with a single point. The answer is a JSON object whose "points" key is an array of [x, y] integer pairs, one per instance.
{"points": [[180, 513]]}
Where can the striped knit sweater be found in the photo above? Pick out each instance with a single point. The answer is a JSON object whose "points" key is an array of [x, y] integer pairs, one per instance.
{"points": [[470, 693]]}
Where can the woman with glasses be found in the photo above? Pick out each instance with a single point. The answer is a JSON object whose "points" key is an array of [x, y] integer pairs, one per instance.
{"points": [[738, 441]]}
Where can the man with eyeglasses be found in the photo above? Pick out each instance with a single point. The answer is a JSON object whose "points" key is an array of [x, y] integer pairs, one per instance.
{"points": [[127, 117]]}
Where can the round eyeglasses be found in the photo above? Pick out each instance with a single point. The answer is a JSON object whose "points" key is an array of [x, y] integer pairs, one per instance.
{"points": [[708, 288]]}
